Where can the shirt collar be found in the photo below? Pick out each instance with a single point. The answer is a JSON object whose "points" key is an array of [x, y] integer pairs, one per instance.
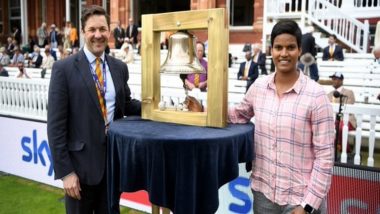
{"points": [[301, 81], [297, 85], [340, 89], [90, 56]]}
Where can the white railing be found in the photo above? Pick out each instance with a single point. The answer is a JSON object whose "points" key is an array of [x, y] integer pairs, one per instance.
{"points": [[331, 19], [26, 98], [361, 8], [364, 114], [327, 16], [366, 3]]}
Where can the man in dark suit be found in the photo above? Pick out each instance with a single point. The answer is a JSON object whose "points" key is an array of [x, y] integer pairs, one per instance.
{"points": [[259, 58], [88, 91], [10, 46], [36, 59], [308, 47], [132, 32], [118, 35], [53, 36], [17, 35], [3, 72], [248, 70], [333, 51]]}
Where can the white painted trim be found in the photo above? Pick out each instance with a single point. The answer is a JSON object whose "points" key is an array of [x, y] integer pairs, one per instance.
{"points": [[24, 22], [241, 28], [68, 15]]}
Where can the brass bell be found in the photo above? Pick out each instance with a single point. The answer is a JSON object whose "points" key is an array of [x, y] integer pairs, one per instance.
{"points": [[181, 58]]}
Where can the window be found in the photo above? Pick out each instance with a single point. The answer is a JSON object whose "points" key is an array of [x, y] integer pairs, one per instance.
{"points": [[14, 14], [74, 13], [1, 20], [241, 12], [153, 6], [108, 6]]}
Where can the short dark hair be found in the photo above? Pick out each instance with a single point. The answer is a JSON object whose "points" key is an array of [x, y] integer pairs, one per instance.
{"points": [[334, 36], [289, 27], [93, 10]]}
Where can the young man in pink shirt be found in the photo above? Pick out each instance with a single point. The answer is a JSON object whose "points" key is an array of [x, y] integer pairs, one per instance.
{"points": [[294, 132]]}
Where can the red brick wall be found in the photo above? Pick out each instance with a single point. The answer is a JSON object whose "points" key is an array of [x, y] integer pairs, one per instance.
{"points": [[5, 18], [55, 13]]}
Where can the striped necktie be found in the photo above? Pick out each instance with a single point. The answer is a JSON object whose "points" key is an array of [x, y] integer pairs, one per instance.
{"points": [[98, 71], [331, 51], [247, 65], [196, 80]]}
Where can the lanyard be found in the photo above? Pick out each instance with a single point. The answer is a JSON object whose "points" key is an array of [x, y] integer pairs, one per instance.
{"points": [[96, 79]]}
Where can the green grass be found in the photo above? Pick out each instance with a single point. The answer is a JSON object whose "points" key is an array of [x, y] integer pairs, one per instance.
{"points": [[19, 195]]}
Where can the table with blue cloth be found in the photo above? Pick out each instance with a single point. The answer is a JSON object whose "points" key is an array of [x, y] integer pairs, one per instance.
{"points": [[181, 167]]}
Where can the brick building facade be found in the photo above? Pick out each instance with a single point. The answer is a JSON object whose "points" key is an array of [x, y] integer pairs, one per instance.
{"points": [[29, 14]]}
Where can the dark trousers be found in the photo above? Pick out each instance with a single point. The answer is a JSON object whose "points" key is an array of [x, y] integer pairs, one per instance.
{"points": [[313, 69], [263, 205], [93, 200]]}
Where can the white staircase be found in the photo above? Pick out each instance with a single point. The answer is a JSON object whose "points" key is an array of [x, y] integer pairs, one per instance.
{"points": [[321, 13], [320, 39]]}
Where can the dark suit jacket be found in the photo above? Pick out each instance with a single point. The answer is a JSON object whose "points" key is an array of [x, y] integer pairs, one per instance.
{"points": [[308, 44], [253, 71], [55, 35], [38, 62], [76, 130], [4, 73], [10, 51], [118, 33], [261, 62], [134, 34], [337, 55], [17, 37], [53, 54]]}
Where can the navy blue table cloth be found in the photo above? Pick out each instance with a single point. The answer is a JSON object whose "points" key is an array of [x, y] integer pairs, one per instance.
{"points": [[181, 167]]}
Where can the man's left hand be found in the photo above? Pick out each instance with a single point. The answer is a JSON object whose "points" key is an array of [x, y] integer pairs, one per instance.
{"points": [[203, 85]]}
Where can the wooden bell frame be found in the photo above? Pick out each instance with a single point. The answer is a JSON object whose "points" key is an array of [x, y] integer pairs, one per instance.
{"points": [[214, 20]]}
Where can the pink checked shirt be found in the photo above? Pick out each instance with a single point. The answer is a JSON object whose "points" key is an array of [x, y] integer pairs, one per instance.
{"points": [[294, 140]]}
